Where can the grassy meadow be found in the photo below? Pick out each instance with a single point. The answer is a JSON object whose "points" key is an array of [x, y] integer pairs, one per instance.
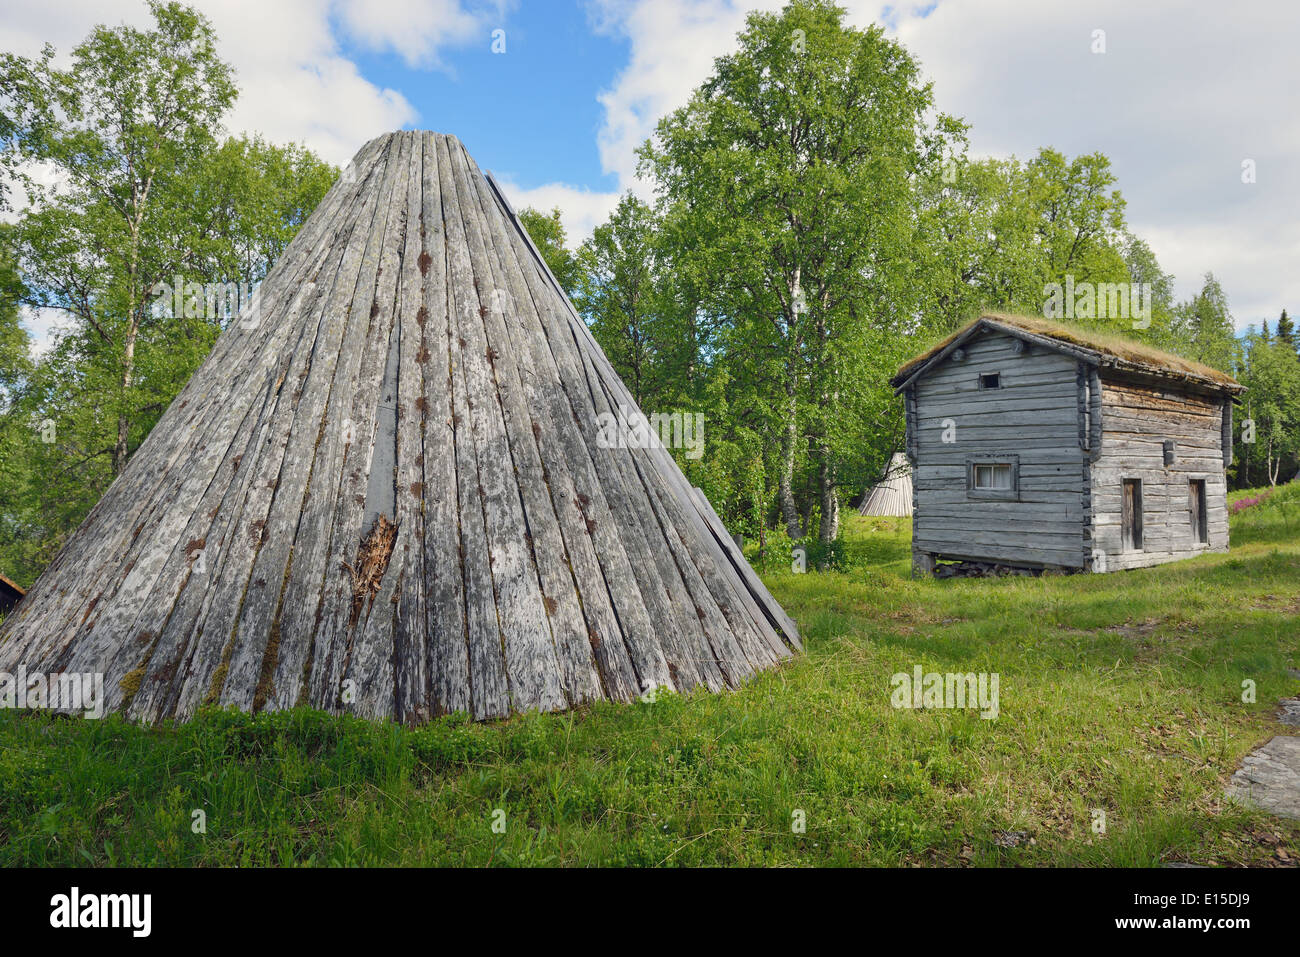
{"points": [[1120, 695]]}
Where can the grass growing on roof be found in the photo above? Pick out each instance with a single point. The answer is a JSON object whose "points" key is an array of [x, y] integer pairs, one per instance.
{"points": [[1089, 337], [1119, 693]]}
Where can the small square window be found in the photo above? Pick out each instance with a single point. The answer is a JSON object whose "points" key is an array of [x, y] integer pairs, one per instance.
{"points": [[990, 380], [994, 478]]}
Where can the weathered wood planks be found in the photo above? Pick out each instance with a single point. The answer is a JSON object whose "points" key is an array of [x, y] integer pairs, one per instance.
{"points": [[1076, 424], [416, 371]]}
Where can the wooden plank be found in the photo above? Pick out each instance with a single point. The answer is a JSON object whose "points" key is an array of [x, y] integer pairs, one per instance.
{"points": [[489, 690], [175, 638], [302, 667], [592, 548], [411, 679], [364, 355], [261, 571], [646, 655], [505, 326], [101, 550], [178, 643], [183, 687], [560, 623], [679, 635], [769, 616], [765, 614], [447, 613], [379, 655], [1001, 552], [532, 667]]}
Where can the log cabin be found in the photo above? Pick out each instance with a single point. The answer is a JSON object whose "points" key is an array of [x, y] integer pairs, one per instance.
{"points": [[10, 595], [1041, 446]]}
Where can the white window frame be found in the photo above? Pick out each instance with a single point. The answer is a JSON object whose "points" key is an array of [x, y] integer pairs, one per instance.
{"points": [[1007, 493]]}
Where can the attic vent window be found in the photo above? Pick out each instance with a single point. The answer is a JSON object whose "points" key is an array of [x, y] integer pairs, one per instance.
{"points": [[1171, 452], [991, 380]]}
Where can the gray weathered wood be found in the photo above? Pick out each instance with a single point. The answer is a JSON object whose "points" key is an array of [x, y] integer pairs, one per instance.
{"points": [[390, 496], [1077, 423]]}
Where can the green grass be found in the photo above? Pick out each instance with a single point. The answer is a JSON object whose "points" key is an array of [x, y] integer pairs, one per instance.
{"points": [[1118, 693]]}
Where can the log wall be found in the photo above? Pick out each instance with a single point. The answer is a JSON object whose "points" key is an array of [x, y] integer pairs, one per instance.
{"points": [[1137, 420], [1033, 419]]}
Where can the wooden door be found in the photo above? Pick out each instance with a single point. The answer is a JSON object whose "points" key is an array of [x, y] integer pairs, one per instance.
{"points": [[1196, 506], [1131, 534]]}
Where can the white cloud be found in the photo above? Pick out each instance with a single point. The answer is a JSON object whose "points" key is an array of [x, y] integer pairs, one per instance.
{"points": [[296, 84], [42, 325], [673, 46], [581, 210], [416, 29], [1177, 101]]}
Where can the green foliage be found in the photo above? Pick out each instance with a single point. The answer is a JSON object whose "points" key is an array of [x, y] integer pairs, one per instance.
{"points": [[997, 233], [1128, 686], [1285, 330], [148, 192], [785, 186], [627, 305], [15, 358], [818, 224], [1204, 329], [547, 233], [1270, 370]]}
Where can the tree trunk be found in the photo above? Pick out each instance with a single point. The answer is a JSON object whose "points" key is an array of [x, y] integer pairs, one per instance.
{"points": [[785, 491], [830, 503], [128, 379], [826, 400], [133, 328]]}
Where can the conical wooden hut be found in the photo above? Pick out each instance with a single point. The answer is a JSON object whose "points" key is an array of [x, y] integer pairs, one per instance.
{"points": [[893, 496], [386, 492]]}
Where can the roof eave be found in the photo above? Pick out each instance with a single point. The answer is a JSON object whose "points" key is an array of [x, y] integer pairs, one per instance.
{"points": [[1093, 357], [902, 381]]}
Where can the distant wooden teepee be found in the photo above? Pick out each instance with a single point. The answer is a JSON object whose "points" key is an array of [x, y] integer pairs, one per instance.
{"points": [[893, 496], [390, 490]]}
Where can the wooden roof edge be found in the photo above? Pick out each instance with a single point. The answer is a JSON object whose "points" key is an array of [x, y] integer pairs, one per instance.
{"points": [[1179, 377], [914, 369], [13, 584]]}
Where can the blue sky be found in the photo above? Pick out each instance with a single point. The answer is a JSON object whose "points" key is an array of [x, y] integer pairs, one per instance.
{"points": [[529, 114], [1181, 95]]}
